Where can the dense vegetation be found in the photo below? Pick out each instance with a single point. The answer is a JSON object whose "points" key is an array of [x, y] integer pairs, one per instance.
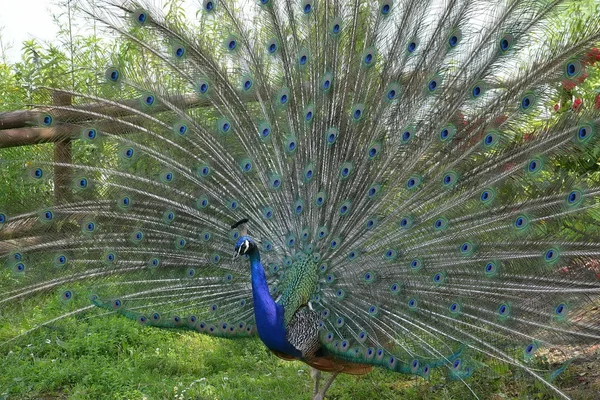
{"points": [[111, 357]]}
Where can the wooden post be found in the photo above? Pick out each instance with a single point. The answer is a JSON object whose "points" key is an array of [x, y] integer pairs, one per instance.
{"points": [[63, 153]]}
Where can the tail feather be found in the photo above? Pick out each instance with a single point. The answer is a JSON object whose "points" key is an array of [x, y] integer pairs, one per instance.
{"points": [[407, 146]]}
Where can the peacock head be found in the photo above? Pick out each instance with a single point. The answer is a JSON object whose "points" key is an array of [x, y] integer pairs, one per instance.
{"points": [[244, 244]]}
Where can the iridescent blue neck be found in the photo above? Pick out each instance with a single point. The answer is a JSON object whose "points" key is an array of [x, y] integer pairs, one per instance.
{"points": [[267, 313], [263, 301]]}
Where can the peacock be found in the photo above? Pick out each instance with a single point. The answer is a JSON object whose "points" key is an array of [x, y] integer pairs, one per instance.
{"points": [[358, 183]]}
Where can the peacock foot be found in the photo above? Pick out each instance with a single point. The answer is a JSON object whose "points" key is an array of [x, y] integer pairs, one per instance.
{"points": [[320, 394]]}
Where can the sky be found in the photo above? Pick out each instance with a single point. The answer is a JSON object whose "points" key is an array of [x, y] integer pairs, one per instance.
{"points": [[26, 19]]}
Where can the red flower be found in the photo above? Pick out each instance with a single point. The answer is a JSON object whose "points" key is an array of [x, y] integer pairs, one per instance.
{"points": [[500, 119], [507, 167], [593, 55], [564, 270], [461, 121], [568, 85], [582, 77]]}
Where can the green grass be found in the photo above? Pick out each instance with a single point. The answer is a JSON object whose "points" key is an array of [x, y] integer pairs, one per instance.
{"points": [[111, 357]]}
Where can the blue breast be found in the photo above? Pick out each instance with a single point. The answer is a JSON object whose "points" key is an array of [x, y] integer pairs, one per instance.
{"points": [[269, 316], [273, 335]]}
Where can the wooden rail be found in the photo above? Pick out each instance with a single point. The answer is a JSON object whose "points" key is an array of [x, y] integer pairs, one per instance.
{"points": [[20, 128]]}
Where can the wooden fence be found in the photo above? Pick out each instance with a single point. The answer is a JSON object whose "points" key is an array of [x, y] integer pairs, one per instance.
{"points": [[21, 128]]}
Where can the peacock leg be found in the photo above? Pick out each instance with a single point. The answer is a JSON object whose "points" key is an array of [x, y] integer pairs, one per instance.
{"points": [[321, 394], [316, 375]]}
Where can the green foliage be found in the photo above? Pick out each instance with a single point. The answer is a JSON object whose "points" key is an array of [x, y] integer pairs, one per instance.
{"points": [[100, 356], [110, 357]]}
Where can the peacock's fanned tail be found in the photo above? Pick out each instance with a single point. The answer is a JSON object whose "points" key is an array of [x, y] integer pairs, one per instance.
{"points": [[386, 140]]}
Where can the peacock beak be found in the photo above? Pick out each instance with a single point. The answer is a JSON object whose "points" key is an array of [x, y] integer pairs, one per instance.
{"points": [[245, 246]]}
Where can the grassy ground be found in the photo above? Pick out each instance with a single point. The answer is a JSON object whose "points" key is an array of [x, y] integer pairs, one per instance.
{"points": [[113, 358]]}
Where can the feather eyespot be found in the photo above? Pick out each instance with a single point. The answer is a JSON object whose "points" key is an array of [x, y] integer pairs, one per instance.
{"points": [[386, 7]]}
